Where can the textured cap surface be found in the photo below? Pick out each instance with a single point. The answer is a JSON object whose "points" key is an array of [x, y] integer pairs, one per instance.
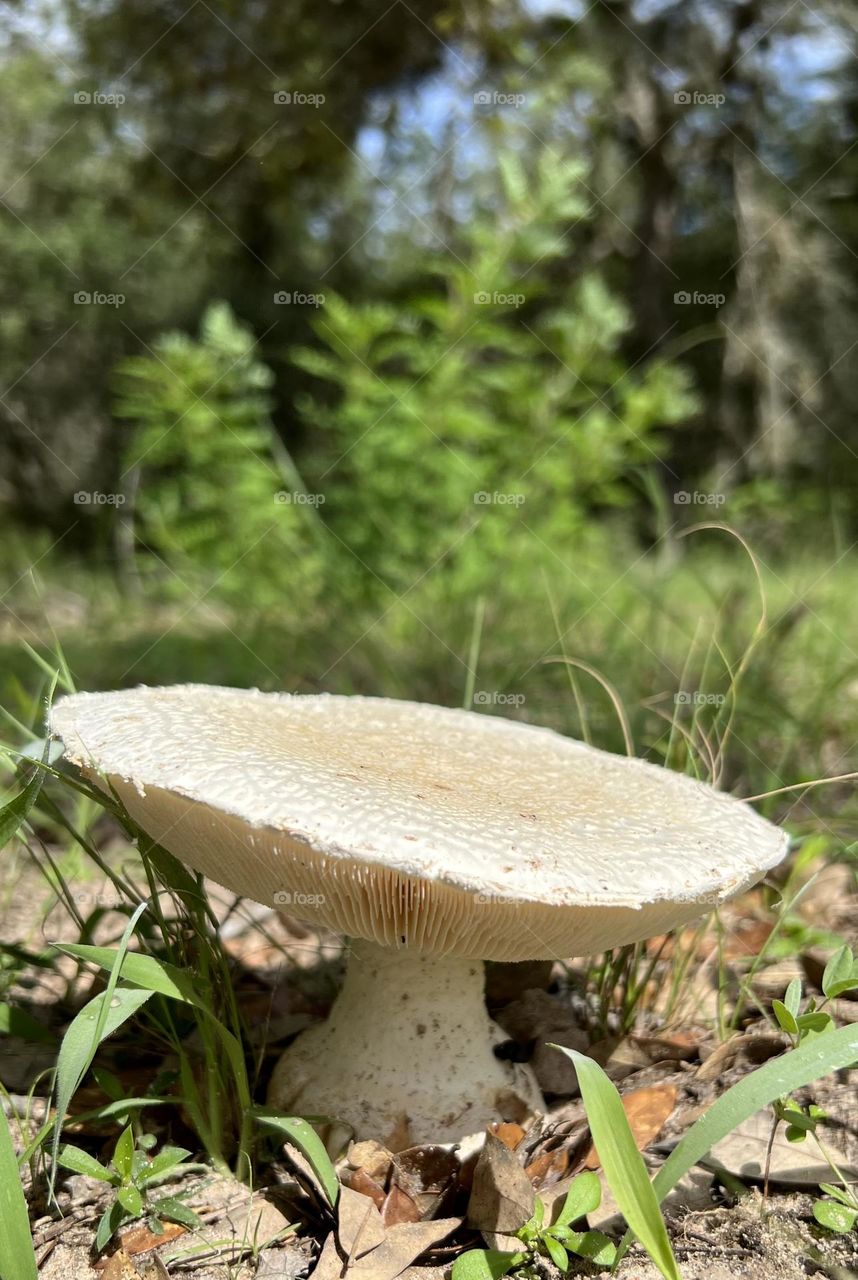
{"points": [[406, 823]]}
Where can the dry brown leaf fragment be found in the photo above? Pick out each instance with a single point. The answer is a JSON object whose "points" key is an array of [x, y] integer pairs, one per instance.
{"points": [[359, 1224], [140, 1239], [403, 1245], [502, 1196], [399, 1207], [646, 1111]]}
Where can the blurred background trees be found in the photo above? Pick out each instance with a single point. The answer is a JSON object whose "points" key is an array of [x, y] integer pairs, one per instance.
{"points": [[467, 284]]}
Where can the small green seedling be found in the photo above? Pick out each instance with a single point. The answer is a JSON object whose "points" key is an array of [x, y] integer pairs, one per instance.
{"points": [[840, 1213], [555, 1240], [133, 1175]]}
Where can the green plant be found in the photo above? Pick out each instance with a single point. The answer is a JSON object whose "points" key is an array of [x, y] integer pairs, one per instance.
{"points": [[510, 411], [133, 1175], [555, 1240], [17, 1256], [210, 486], [638, 1198]]}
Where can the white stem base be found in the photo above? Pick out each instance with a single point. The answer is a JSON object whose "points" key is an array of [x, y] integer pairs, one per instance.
{"points": [[408, 1042]]}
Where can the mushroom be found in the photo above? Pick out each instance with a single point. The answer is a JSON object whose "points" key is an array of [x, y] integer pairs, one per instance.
{"points": [[434, 839]]}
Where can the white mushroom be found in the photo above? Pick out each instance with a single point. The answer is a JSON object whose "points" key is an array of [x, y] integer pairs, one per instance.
{"points": [[436, 839]]}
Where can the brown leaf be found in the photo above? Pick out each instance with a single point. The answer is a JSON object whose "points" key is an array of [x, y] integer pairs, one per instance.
{"points": [[676, 1048], [646, 1111], [400, 1135], [360, 1181], [509, 1134], [425, 1169], [141, 1240], [119, 1267], [359, 1224], [404, 1244], [372, 1158], [501, 1196], [399, 1207]]}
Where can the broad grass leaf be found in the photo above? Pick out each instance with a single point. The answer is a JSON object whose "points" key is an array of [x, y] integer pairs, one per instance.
{"points": [[622, 1162], [17, 1257], [304, 1137]]}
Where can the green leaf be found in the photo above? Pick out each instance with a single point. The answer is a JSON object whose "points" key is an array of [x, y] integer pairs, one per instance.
{"points": [[79, 1161], [97, 1020], [792, 997], [304, 1137], [173, 1209], [835, 1217], [15, 813], [17, 1256], [598, 1248], [159, 978], [786, 1018], [583, 1197], [622, 1162], [485, 1264], [840, 968], [161, 1164], [86, 1032], [110, 1221], [123, 1153], [141, 970], [131, 1200], [810, 1061], [556, 1252], [817, 1022]]}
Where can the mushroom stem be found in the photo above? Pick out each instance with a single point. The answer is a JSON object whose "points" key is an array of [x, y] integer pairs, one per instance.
{"points": [[408, 1041]]}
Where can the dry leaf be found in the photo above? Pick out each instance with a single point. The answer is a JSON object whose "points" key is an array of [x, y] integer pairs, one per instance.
{"points": [[399, 1207], [141, 1240], [646, 1111], [509, 1134], [372, 1158], [360, 1181], [359, 1224], [502, 1196], [794, 1164], [119, 1267], [404, 1244]]}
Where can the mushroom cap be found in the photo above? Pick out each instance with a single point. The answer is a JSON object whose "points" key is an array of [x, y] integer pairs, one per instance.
{"points": [[414, 825]]}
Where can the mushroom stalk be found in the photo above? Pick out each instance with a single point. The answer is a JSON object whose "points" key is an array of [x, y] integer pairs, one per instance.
{"points": [[408, 1042]]}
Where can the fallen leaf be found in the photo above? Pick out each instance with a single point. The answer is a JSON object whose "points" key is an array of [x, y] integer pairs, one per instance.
{"points": [[794, 1164], [646, 1111], [119, 1267], [359, 1223], [747, 939], [404, 1244], [675, 1048], [141, 1240], [373, 1158], [426, 1170], [509, 1134], [502, 1196], [359, 1180], [400, 1135], [752, 1047], [399, 1207]]}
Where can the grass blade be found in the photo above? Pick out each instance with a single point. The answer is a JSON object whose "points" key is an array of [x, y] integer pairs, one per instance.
{"points": [[86, 1032], [17, 1257], [622, 1162], [303, 1136]]}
